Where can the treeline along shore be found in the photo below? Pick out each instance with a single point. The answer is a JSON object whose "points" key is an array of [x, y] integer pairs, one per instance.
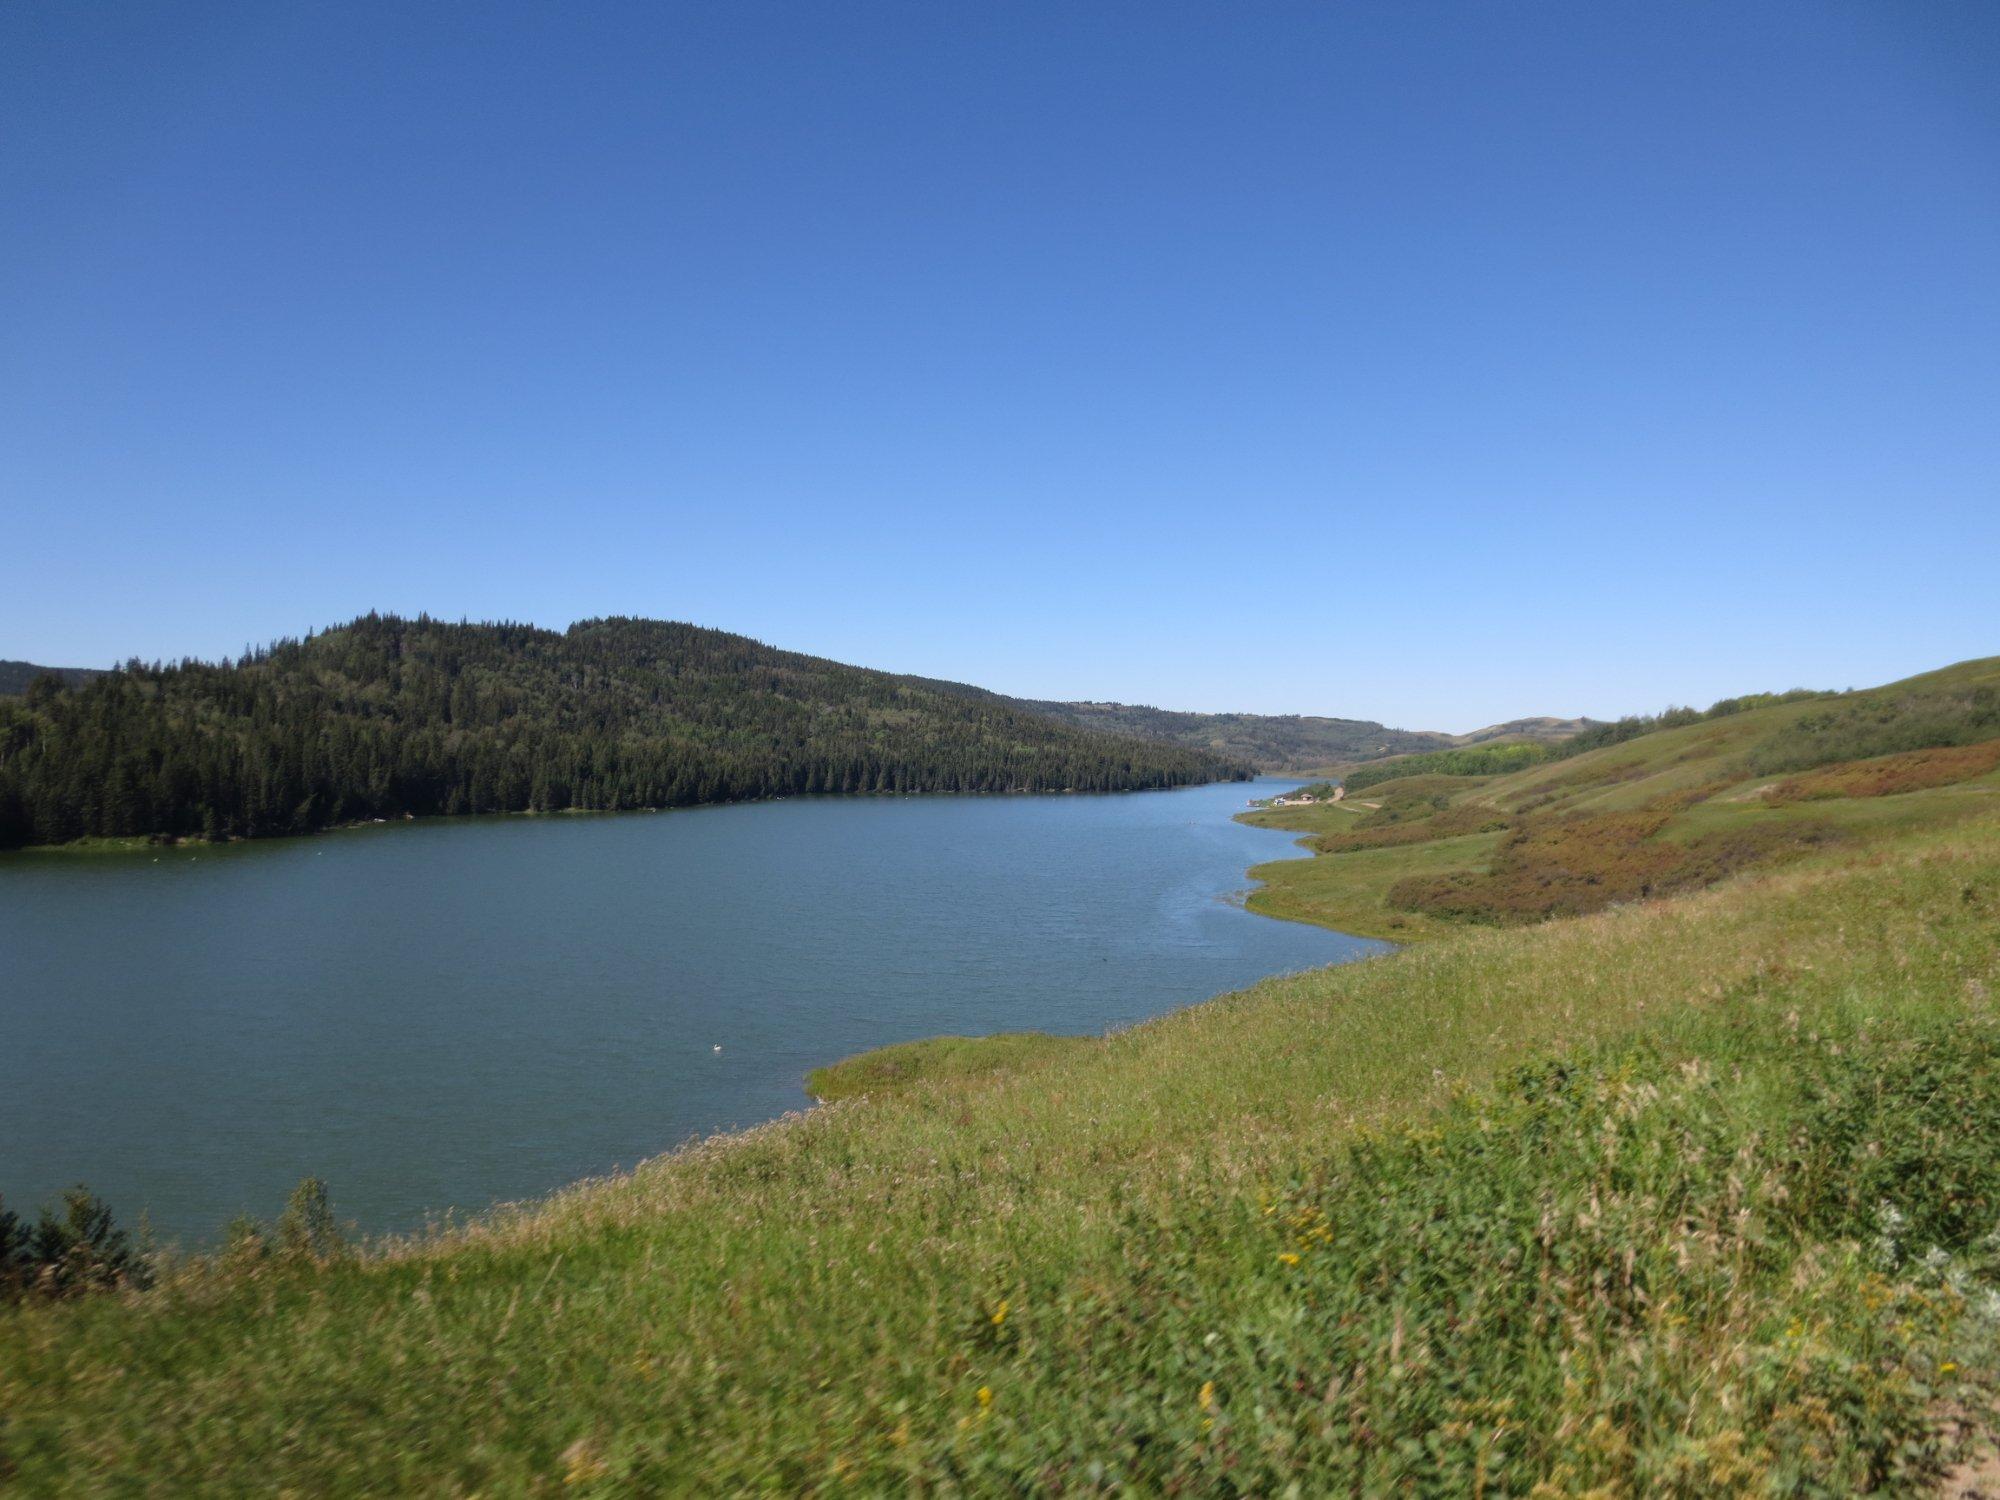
{"points": [[388, 717]]}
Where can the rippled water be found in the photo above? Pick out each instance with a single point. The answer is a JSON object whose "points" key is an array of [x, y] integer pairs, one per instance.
{"points": [[448, 1013]]}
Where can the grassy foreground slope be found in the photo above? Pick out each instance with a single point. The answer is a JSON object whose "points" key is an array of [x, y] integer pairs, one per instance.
{"points": [[1689, 1197]]}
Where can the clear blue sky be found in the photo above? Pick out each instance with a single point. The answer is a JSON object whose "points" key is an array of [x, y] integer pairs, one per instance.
{"points": [[1427, 362]]}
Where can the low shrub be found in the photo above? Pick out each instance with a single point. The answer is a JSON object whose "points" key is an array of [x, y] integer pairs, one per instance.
{"points": [[1888, 775], [1881, 723], [305, 1233], [1556, 866]]}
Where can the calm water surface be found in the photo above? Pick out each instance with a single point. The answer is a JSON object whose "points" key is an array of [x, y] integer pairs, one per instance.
{"points": [[444, 1014]]}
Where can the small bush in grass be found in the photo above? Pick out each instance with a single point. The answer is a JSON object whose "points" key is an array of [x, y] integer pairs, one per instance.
{"points": [[1905, 1122], [245, 1241], [306, 1228], [305, 1231]]}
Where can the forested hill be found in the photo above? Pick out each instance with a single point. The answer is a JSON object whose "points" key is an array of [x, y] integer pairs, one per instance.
{"points": [[16, 675], [386, 717], [1287, 742]]}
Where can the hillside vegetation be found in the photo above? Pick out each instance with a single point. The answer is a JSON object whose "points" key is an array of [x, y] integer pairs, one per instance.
{"points": [[387, 717], [1496, 751], [1661, 805], [1290, 742], [1492, 759], [1270, 742], [1688, 1196]]}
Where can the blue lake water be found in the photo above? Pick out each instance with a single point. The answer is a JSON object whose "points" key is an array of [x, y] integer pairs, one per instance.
{"points": [[444, 1014]]}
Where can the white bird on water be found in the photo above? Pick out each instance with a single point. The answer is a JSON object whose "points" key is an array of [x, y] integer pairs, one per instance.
{"points": [[716, 1048]]}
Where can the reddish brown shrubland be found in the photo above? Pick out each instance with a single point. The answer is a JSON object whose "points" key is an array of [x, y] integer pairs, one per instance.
{"points": [[1567, 866], [1886, 775]]}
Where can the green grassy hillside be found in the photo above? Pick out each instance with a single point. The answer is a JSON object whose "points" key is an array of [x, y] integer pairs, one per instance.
{"points": [[1689, 1196], [1665, 811]]}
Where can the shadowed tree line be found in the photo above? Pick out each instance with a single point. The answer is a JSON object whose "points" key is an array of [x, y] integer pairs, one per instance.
{"points": [[74, 1246], [388, 717]]}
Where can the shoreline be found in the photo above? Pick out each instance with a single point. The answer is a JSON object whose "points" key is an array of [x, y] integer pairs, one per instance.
{"points": [[897, 1066], [1182, 982], [139, 843], [1342, 893]]}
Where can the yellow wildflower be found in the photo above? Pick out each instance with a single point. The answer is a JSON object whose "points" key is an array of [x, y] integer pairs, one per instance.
{"points": [[986, 1395], [1207, 1396], [582, 1464], [1289, 1257], [1000, 1313]]}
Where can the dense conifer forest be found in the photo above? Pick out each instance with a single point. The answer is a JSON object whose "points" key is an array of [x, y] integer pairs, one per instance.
{"points": [[387, 717]]}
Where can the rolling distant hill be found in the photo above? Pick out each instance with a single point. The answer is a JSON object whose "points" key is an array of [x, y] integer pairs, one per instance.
{"points": [[1288, 742], [16, 675], [1540, 729], [387, 717]]}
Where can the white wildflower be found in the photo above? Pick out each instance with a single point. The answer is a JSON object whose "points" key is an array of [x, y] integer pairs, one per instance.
{"points": [[1888, 1239]]}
